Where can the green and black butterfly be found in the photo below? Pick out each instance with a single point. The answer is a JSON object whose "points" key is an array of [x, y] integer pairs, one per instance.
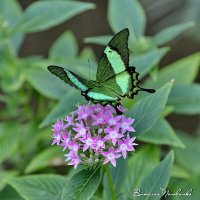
{"points": [[115, 79]]}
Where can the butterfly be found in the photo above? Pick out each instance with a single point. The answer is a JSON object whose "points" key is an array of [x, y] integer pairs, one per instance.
{"points": [[115, 79]]}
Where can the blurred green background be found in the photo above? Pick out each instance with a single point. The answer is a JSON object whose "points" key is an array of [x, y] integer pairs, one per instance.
{"points": [[35, 34]]}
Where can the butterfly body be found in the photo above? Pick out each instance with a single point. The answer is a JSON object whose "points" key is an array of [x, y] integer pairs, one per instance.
{"points": [[115, 79]]}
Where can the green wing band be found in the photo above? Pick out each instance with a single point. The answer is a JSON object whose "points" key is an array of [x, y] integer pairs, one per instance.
{"points": [[102, 94], [71, 78], [115, 58], [120, 84]]}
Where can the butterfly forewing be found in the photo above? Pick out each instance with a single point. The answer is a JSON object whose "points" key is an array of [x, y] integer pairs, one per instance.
{"points": [[115, 58], [71, 78]]}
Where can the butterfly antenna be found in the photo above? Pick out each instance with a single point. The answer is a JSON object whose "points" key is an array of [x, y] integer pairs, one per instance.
{"points": [[89, 67]]}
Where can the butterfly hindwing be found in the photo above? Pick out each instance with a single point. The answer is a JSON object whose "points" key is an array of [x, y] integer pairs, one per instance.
{"points": [[102, 94], [120, 83], [115, 58], [71, 78]]}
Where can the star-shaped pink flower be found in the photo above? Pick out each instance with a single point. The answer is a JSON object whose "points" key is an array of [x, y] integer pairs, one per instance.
{"points": [[110, 156], [88, 141], [126, 124], [99, 143], [65, 140], [81, 130], [113, 134]]}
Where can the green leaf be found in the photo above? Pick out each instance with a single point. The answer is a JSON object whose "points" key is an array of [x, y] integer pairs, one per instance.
{"points": [[184, 71], [187, 158], [185, 99], [186, 185], [161, 133], [179, 172], [45, 83], [157, 179], [10, 137], [127, 14], [66, 105], [139, 166], [43, 15], [9, 193], [39, 187], [147, 111], [10, 13], [101, 40], [145, 62], [5, 175], [44, 159], [170, 33], [64, 47], [119, 174], [13, 81], [82, 185]]}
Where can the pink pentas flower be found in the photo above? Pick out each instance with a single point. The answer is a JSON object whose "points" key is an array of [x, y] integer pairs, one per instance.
{"points": [[74, 159], [111, 156], [65, 140], [99, 143], [126, 145], [59, 127], [99, 118], [113, 134], [56, 138], [94, 135], [80, 129], [126, 124], [88, 141], [112, 120]]}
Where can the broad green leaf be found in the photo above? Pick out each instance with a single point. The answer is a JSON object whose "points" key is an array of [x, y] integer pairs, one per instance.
{"points": [[10, 136], [82, 185], [145, 62], [45, 83], [170, 33], [101, 40], [147, 111], [5, 175], [9, 193], [139, 166], [158, 178], [127, 14], [66, 105], [190, 187], [39, 187], [10, 14], [188, 157], [185, 99], [179, 172], [44, 159], [161, 133], [118, 174], [13, 81], [184, 71], [43, 15], [65, 46]]}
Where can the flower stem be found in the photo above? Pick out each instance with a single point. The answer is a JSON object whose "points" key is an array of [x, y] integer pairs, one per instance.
{"points": [[110, 181]]}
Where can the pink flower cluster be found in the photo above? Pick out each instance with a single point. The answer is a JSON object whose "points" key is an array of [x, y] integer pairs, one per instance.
{"points": [[94, 134]]}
